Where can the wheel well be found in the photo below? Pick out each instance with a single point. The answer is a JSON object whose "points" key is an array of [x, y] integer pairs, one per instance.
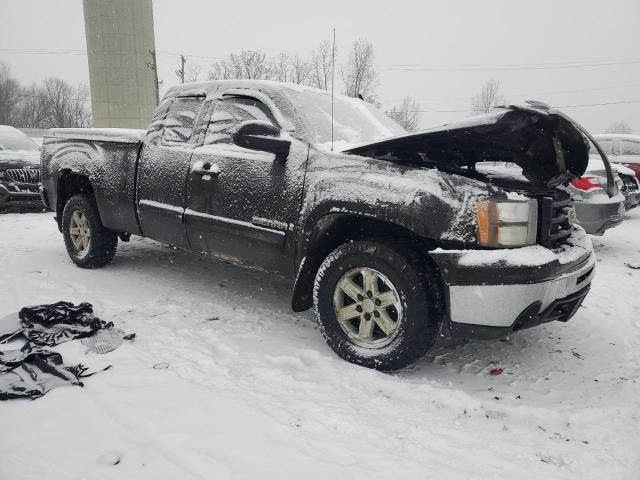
{"points": [[334, 230], [70, 184]]}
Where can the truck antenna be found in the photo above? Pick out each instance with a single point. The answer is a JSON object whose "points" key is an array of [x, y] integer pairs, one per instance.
{"points": [[333, 78]]}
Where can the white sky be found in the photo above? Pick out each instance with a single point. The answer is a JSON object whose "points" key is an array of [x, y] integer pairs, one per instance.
{"points": [[505, 38]]}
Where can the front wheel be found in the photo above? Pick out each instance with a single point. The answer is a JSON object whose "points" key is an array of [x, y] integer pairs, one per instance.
{"points": [[376, 307], [89, 244]]}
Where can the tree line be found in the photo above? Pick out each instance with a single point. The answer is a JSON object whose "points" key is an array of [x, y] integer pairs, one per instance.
{"points": [[57, 103], [48, 104], [357, 74]]}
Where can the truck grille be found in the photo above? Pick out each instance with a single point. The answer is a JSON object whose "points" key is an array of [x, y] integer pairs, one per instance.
{"points": [[555, 222], [24, 175]]}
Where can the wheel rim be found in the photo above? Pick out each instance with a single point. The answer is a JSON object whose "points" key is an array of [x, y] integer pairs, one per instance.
{"points": [[367, 307], [79, 233]]}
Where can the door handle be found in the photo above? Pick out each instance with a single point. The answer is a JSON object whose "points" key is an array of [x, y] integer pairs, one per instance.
{"points": [[206, 170]]}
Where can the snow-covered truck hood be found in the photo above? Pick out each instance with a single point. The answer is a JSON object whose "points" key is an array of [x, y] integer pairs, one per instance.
{"points": [[547, 145], [19, 159]]}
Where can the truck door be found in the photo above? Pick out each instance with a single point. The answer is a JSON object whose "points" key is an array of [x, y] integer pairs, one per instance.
{"points": [[243, 205], [163, 170]]}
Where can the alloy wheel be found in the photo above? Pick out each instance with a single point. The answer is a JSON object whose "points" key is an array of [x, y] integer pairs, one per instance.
{"points": [[367, 307], [79, 232]]}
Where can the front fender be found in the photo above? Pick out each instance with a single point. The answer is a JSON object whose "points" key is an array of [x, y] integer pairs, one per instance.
{"points": [[432, 204], [380, 198]]}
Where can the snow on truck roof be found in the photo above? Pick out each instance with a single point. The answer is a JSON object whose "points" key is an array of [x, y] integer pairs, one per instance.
{"points": [[210, 86]]}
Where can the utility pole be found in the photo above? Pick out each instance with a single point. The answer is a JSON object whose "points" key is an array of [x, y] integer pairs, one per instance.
{"points": [[180, 71], [154, 67]]}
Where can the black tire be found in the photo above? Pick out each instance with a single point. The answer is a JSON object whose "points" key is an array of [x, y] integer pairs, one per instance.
{"points": [[102, 245], [416, 330]]}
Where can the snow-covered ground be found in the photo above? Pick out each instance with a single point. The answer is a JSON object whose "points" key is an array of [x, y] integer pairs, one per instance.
{"points": [[243, 388]]}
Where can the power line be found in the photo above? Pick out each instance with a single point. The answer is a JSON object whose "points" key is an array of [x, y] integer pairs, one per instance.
{"points": [[205, 57], [518, 65], [43, 51], [598, 104], [40, 51], [399, 67], [521, 94]]}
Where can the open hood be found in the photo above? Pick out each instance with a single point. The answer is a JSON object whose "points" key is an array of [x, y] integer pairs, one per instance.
{"points": [[548, 146]]}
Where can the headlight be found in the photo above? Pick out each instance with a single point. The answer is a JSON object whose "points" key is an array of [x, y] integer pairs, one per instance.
{"points": [[506, 223]]}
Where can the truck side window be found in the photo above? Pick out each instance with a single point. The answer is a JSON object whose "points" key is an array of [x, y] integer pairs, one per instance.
{"points": [[230, 112], [179, 123], [630, 148]]}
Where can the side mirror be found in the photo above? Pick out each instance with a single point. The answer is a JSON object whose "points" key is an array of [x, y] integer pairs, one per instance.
{"points": [[262, 136]]}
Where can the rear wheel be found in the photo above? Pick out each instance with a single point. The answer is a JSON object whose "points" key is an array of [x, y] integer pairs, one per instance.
{"points": [[89, 244], [375, 306]]}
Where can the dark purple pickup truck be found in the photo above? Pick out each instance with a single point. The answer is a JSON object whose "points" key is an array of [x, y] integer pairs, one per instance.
{"points": [[398, 240]]}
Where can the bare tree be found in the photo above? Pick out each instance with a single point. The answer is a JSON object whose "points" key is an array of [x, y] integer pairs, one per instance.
{"points": [[33, 108], [359, 75], [407, 114], [249, 64], [280, 69], [321, 66], [66, 106], [10, 95], [488, 98], [80, 106], [301, 71], [193, 72], [618, 127]]}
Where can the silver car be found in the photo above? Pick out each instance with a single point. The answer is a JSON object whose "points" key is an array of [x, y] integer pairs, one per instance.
{"points": [[623, 150], [596, 209]]}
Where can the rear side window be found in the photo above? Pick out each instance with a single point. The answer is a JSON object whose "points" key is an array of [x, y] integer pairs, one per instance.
{"points": [[181, 118], [606, 145], [629, 148], [230, 112]]}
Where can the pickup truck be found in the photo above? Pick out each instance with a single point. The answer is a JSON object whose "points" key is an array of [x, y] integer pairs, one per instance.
{"points": [[398, 240]]}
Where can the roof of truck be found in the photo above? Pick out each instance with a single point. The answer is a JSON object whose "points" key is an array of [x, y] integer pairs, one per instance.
{"points": [[204, 88]]}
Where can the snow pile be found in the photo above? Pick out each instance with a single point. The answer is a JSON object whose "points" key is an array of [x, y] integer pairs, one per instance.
{"points": [[223, 381]]}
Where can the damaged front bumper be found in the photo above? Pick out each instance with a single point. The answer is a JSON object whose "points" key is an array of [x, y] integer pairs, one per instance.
{"points": [[632, 200], [489, 295]]}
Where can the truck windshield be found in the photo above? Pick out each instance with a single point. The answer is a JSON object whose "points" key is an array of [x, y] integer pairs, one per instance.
{"points": [[354, 121]]}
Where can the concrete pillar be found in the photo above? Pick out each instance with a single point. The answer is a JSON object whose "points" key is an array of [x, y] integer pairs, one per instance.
{"points": [[119, 41]]}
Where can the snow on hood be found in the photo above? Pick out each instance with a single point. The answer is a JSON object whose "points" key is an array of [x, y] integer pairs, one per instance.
{"points": [[578, 245], [19, 158], [596, 165], [548, 146], [622, 169]]}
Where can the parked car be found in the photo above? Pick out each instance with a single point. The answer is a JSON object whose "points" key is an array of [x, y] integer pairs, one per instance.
{"points": [[397, 240], [596, 211], [622, 148], [19, 169], [630, 186]]}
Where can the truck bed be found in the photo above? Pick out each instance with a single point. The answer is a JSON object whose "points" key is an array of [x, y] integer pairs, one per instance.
{"points": [[119, 135], [107, 158]]}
